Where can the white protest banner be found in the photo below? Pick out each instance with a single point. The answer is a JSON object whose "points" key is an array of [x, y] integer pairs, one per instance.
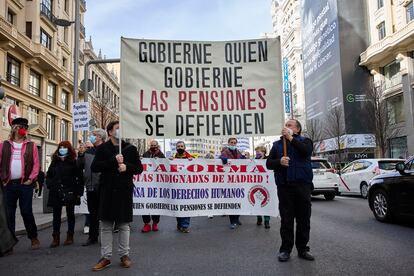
{"points": [[179, 89], [202, 187], [80, 116]]}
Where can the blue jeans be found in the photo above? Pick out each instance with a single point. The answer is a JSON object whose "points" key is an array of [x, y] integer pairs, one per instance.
{"points": [[14, 191], [183, 222]]}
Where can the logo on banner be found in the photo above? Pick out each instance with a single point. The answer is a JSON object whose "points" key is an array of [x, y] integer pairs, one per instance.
{"points": [[258, 195]]}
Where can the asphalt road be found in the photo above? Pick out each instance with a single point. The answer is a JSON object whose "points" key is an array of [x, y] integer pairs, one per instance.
{"points": [[345, 239]]}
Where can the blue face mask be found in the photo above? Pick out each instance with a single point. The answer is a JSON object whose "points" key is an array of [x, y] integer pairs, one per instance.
{"points": [[232, 147], [92, 138], [63, 151]]}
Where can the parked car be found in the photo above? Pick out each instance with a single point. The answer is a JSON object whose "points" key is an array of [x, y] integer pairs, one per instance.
{"points": [[325, 179], [357, 174], [391, 195]]}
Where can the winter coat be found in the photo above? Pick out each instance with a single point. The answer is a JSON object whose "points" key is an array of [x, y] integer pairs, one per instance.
{"points": [[8, 239], [115, 188], [150, 154], [63, 175], [90, 178]]}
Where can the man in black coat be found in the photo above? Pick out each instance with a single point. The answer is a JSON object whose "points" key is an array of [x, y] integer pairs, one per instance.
{"points": [[293, 176], [115, 193]]}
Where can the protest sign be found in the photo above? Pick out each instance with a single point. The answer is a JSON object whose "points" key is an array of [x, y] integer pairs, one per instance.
{"points": [[80, 116], [202, 187], [184, 89]]}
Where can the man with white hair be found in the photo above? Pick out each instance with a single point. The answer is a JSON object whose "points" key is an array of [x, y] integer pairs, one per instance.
{"points": [[91, 181]]}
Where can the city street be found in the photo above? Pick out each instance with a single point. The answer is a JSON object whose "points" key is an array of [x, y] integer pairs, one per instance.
{"points": [[345, 239]]}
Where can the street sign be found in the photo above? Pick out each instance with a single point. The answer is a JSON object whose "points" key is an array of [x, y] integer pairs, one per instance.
{"points": [[13, 113], [90, 85]]}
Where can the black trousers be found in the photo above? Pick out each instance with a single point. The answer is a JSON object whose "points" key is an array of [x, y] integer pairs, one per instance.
{"points": [[147, 219], [93, 205], [234, 219], [294, 203]]}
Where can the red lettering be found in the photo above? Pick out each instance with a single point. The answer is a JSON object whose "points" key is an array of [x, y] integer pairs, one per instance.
{"points": [[195, 168], [235, 168], [251, 99], [262, 94], [191, 101], [182, 96], [164, 105], [141, 99], [258, 168], [161, 168], [215, 168]]}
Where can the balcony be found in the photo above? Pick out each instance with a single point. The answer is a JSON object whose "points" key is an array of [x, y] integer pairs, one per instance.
{"points": [[390, 45], [46, 13], [393, 81]]}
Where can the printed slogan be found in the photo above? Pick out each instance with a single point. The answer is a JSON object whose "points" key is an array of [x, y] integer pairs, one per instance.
{"points": [[178, 89], [202, 187]]}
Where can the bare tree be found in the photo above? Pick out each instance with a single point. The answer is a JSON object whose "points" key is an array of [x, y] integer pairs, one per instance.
{"points": [[335, 128], [103, 110], [378, 111], [314, 131]]}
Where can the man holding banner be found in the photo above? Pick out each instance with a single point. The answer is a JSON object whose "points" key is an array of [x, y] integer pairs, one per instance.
{"points": [[291, 163], [115, 193]]}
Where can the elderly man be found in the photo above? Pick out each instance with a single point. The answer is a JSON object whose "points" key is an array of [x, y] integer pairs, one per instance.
{"points": [[293, 176], [19, 166], [91, 181]]}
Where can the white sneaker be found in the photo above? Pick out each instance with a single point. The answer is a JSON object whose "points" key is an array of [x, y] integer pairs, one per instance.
{"points": [[210, 217], [86, 230]]}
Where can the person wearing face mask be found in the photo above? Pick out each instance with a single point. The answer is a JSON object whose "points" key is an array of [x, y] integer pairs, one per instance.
{"points": [[183, 223], [91, 180], [231, 152], [153, 152], [293, 176], [115, 193], [19, 167], [65, 183], [261, 154]]}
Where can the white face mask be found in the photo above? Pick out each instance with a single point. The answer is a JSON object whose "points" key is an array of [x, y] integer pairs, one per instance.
{"points": [[117, 133]]}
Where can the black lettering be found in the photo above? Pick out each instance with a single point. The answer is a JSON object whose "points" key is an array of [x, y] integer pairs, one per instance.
{"points": [[148, 119], [179, 129]]}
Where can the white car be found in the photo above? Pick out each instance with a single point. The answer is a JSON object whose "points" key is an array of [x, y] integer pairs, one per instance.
{"points": [[325, 180], [356, 175]]}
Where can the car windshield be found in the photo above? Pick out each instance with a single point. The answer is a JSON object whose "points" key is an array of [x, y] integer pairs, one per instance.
{"points": [[320, 164], [387, 165]]}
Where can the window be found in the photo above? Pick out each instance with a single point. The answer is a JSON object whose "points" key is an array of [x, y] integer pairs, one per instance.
{"points": [[51, 93], [409, 11], [11, 17], [7, 102], [64, 100], [32, 115], [50, 126], [13, 71], [45, 39], [392, 74], [361, 165], [65, 35], [381, 30], [29, 29], [380, 4], [398, 147], [348, 168], [64, 130], [395, 107], [66, 6], [64, 62], [34, 83]]}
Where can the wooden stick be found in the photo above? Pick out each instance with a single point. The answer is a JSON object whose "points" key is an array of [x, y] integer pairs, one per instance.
{"points": [[284, 147]]}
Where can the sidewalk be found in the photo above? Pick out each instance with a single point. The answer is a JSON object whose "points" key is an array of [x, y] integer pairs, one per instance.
{"points": [[42, 220]]}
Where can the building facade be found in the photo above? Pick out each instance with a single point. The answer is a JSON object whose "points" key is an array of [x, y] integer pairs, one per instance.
{"points": [[286, 24], [390, 60], [37, 70]]}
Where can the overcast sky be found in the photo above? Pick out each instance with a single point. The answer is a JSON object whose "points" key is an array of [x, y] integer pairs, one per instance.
{"points": [[107, 20]]}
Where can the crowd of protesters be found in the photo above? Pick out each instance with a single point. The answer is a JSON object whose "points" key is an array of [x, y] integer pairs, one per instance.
{"points": [[105, 170]]}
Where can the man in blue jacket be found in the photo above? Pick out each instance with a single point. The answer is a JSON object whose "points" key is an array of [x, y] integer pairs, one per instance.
{"points": [[293, 176]]}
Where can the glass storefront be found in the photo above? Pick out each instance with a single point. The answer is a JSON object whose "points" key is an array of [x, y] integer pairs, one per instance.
{"points": [[398, 147]]}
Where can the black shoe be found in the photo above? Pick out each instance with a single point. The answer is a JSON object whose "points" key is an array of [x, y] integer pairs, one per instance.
{"points": [[259, 221], [283, 256], [89, 242], [306, 256], [238, 223], [267, 225]]}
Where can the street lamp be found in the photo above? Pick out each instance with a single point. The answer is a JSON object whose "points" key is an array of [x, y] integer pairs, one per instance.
{"points": [[66, 23]]}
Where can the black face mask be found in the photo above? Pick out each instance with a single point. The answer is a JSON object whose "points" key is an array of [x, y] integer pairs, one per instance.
{"points": [[180, 151], [153, 149]]}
